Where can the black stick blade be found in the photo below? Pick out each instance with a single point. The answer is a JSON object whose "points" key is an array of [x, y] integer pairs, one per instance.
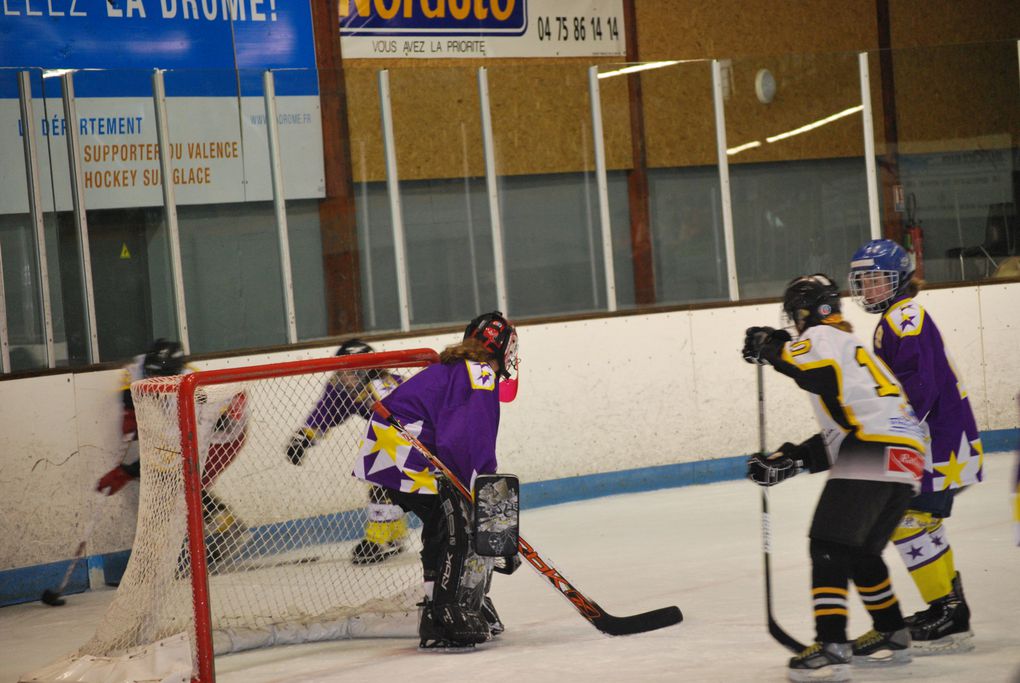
{"points": [[52, 598], [638, 623], [784, 638]]}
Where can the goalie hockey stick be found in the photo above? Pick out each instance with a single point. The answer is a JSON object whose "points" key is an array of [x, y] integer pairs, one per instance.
{"points": [[588, 608], [775, 630]]}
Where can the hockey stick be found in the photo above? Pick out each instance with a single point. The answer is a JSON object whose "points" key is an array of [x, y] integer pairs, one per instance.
{"points": [[775, 630], [52, 597], [589, 609]]}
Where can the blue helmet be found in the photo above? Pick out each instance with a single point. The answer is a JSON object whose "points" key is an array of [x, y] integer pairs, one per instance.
{"points": [[879, 272]]}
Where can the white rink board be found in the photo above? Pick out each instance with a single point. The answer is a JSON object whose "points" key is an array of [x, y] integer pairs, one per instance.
{"points": [[596, 396]]}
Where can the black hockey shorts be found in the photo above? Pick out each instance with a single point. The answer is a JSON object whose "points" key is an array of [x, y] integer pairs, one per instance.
{"points": [[860, 514]]}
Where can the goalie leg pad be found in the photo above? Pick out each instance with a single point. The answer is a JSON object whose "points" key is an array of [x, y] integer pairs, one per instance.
{"points": [[453, 616]]}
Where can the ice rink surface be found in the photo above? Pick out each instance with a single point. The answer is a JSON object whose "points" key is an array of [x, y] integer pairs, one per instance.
{"points": [[698, 547]]}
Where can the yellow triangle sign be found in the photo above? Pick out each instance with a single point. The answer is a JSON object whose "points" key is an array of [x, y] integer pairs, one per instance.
{"points": [[124, 253]]}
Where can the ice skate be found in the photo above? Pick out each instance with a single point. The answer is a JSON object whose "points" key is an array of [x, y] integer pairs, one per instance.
{"points": [[367, 552], [382, 541], [450, 628], [876, 648], [821, 662], [492, 617], [945, 626], [226, 536]]}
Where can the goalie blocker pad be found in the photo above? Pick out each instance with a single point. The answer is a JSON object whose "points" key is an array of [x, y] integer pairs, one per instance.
{"points": [[496, 519]]}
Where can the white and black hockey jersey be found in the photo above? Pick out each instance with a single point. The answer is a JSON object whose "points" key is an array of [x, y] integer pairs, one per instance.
{"points": [[867, 425]]}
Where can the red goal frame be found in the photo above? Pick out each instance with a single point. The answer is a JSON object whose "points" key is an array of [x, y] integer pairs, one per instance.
{"points": [[191, 462]]}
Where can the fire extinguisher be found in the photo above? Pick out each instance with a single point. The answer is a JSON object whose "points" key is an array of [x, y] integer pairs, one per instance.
{"points": [[913, 236]]}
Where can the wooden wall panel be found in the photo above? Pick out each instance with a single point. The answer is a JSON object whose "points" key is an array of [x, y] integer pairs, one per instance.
{"points": [[541, 114], [693, 29]]}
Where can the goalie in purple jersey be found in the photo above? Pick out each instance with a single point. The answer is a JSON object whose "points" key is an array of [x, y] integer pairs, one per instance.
{"points": [[909, 342], [349, 394], [453, 409]]}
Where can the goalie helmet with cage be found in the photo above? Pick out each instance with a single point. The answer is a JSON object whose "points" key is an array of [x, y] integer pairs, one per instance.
{"points": [[809, 300], [497, 335], [879, 272]]}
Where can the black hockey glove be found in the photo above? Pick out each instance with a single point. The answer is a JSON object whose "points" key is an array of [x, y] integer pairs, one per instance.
{"points": [[298, 444], [763, 345], [769, 470]]}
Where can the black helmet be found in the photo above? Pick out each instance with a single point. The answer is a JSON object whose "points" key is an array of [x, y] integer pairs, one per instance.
{"points": [[352, 347], [810, 299], [497, 335], [163, 358]]}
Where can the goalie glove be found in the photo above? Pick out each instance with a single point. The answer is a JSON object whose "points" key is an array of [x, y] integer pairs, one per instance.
{"points": [[769, 470], [763, 345], [301, 441]]}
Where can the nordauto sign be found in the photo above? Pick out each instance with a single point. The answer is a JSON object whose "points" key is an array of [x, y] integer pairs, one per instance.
{"points": [[481, 28]]}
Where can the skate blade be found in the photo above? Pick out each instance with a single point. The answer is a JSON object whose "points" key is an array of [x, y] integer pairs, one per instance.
{"points": [[834, 672], [446, 649], [951, 644], [883, 658], [375, 558]]}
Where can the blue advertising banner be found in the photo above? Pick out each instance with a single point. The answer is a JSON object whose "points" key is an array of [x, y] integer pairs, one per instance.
{"points": [[207, 44], [213, 53]]}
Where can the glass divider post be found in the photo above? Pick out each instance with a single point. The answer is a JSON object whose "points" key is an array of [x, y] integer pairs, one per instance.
{"points": [[724, 179], [31, 146], [170, 206], [393, 188], [80, 220], [602, 183], [869, 147], [495, 217], [279, 202]]}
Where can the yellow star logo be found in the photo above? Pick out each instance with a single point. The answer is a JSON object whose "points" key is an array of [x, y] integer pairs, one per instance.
{"points": [[952, 471], [387, 439], [421, 480]]}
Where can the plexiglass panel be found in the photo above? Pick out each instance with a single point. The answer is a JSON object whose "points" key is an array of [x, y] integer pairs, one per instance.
{"points": [[794, 137], [446, 216], [958, 117]]}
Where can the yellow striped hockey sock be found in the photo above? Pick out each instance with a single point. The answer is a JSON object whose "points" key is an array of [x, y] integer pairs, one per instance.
{"points": [[921, 542]]}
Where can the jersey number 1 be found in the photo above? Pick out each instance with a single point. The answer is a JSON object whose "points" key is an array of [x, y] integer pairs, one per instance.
{"points": [[883, 386]]}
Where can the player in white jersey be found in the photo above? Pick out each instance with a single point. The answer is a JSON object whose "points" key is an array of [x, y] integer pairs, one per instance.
{"points": [[222, 429], [873, 448]]}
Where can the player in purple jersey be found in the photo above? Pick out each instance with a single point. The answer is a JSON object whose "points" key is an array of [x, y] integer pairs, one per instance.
{"points": [[349, 394], [453, 410], [872, 446], [909, 342]]}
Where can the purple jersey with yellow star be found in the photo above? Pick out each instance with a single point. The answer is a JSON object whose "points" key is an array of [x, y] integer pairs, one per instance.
{"points": [[910, 344], [453, 409]]}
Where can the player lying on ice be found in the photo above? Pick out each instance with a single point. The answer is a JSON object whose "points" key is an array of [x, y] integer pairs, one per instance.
{"points": [[873, 448], [452, 408]]}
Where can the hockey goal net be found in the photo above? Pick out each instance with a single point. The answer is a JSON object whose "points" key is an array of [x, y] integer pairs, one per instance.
{"points": [[237, 547]]}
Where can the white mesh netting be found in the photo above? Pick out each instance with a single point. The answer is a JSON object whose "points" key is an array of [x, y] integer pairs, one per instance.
{"points": [[279, 537]]}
